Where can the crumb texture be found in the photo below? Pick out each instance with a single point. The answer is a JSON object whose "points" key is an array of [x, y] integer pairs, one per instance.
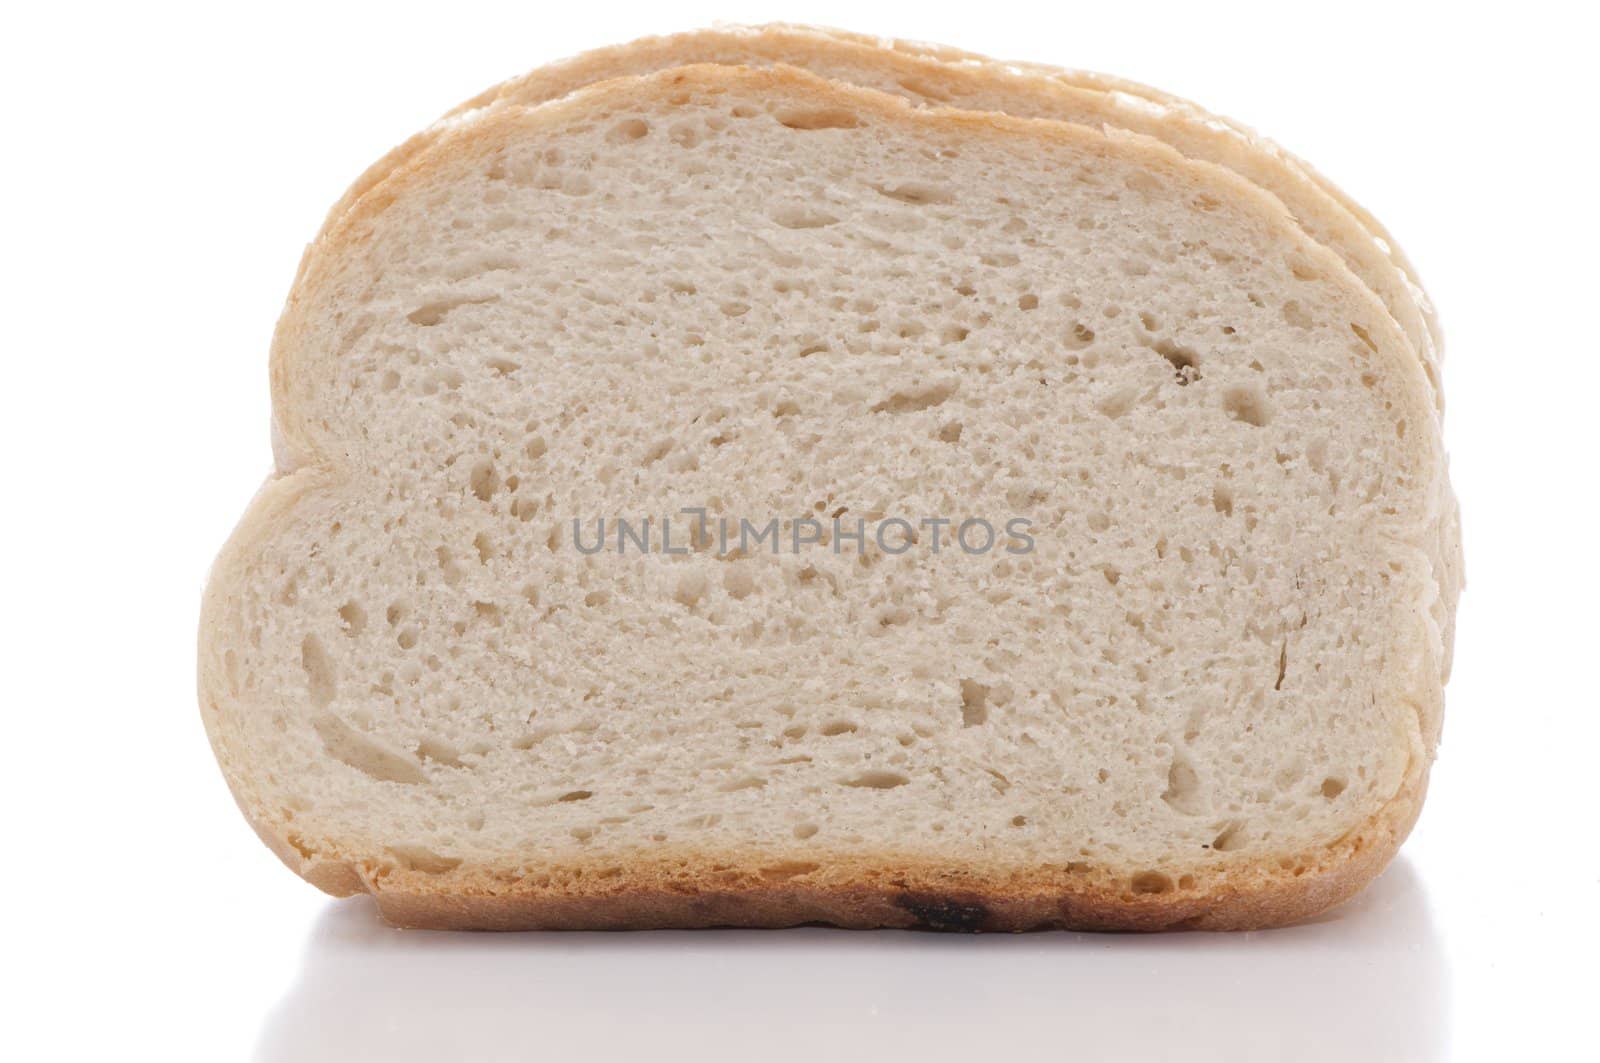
{"points": [[763, 296], [937, 77]]}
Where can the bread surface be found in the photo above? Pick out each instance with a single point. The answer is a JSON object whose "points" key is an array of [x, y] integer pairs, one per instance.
{"points": [[1208, 696], [940, 76]]}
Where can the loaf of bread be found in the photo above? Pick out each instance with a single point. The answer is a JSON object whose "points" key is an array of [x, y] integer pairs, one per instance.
{"points": [[767, 477]]}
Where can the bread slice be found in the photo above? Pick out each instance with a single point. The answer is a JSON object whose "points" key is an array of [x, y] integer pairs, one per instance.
{"points": [[939, 76], [1199, 685]]}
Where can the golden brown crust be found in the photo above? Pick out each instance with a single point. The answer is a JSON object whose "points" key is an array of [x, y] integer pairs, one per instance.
{"points": [[697, 889]]}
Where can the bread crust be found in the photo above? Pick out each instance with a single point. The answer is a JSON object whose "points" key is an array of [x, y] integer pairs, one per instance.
{"points": [[698, 889]]}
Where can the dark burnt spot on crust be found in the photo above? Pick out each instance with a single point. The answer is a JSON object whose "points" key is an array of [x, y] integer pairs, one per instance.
{"points": [[933, 911]]}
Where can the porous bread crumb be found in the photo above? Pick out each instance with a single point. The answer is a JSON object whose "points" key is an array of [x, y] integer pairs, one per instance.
{"points": [[769, 296]]}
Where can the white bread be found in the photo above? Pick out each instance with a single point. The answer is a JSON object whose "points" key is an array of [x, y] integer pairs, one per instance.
{"points": [[939, 76], [1208, 696]]}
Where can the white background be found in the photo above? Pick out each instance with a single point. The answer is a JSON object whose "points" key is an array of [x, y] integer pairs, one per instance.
{"points": [[164, 167]]}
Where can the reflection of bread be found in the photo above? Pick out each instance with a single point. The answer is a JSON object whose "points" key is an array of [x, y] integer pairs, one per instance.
{"points": [[365, 991], [1208, 695]]}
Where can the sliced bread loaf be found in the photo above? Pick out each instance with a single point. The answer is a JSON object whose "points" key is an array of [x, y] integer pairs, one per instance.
{"points": [[1191, 675]]}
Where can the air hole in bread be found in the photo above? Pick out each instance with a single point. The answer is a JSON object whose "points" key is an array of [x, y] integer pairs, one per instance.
{"points": [[690, 589], [1364, 336], [1184, 792], [1151, 882], [915, 193], [430, 314], [1119, 402], [321, 681], [685, 134], [447, 565], [919, 398], [364, 753], [1231, 837], [353, 617], [484, 480], [439, 751], [923, 90], [421, 858], [876, 779], [816, 118], [658, 450], [1184, 361], [738, 582], [629, 129], [798, 216], [1248, 405], [1296, 315]]}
